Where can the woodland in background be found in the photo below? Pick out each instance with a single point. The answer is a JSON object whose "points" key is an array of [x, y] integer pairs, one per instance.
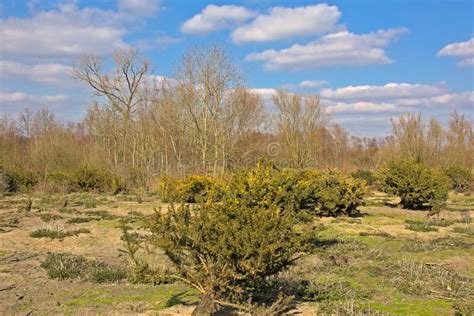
{"points": [[204, 120]]}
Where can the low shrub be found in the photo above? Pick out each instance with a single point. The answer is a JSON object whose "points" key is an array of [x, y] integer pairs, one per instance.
{"points": [[322, 193], [460, 178], [18, 181], [330, 193], [226, 250], [416, 185], [56, 234], [364, 174], [191, 189], [93, 179]]}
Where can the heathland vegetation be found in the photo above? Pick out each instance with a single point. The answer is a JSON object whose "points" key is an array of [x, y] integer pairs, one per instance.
{"points": [[220, 204]]}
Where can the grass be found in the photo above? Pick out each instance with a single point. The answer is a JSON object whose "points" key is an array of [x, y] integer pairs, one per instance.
{"points": [[419, 226], [467, 230], [48, 217], [436, 244], [68, 266], [57, 234]]}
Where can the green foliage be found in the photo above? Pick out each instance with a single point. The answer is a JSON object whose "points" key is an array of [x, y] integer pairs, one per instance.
{"points": [[68, 266], [330, 193], [416, 185], [191, 189], [92, 179], [461, 179], [323, 193], [56, 234], [364, 174], [226, 250], [17, 181]]}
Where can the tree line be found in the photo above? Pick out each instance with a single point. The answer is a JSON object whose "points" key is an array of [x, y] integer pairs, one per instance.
{"points": [[204, 120]]}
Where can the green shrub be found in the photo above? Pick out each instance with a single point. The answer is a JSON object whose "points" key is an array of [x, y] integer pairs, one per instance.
{"points": [[461, 179], [18, 181], [323, 193], [330, 193], [191, 189], [92, 179], [226, 250], [364, 174], [416, 185]]}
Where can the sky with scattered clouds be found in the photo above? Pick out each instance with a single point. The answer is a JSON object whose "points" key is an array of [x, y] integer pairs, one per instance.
{"points": [[369, 60]]}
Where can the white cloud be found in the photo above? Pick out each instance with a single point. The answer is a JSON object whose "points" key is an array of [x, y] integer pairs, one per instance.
{"points": [[283, 23], [214, 18], [309, 84], [20, 100], [53, 74], [388, 91], [464, 50], [360, 107], [338, 49], [62, 33], [140, 7]]}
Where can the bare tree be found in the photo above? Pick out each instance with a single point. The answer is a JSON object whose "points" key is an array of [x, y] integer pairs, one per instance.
{"points": [[299, 120]]}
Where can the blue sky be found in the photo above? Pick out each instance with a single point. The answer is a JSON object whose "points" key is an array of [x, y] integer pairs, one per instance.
{"points": [[369, 60]]}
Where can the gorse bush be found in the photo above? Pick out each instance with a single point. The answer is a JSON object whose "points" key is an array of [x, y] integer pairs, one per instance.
{"points": [[322, 193], [416, 185], [191, 189], [330, 193], [226, 250], [17, 181], [92, 179], [364, 174], [461, 179]]}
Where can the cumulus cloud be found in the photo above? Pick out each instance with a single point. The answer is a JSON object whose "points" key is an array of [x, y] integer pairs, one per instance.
{"points": [[52, 74], [360, 107], [19, 100], [387, 91], [283, 23], [392, 97], [140, 7], [338, 49], [214, 18], [463, 50], [62, 33]]}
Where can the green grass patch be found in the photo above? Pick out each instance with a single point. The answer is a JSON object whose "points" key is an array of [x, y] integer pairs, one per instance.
{"points": [[419, 226], [68, 266], [57, 234], [48, 217]]}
